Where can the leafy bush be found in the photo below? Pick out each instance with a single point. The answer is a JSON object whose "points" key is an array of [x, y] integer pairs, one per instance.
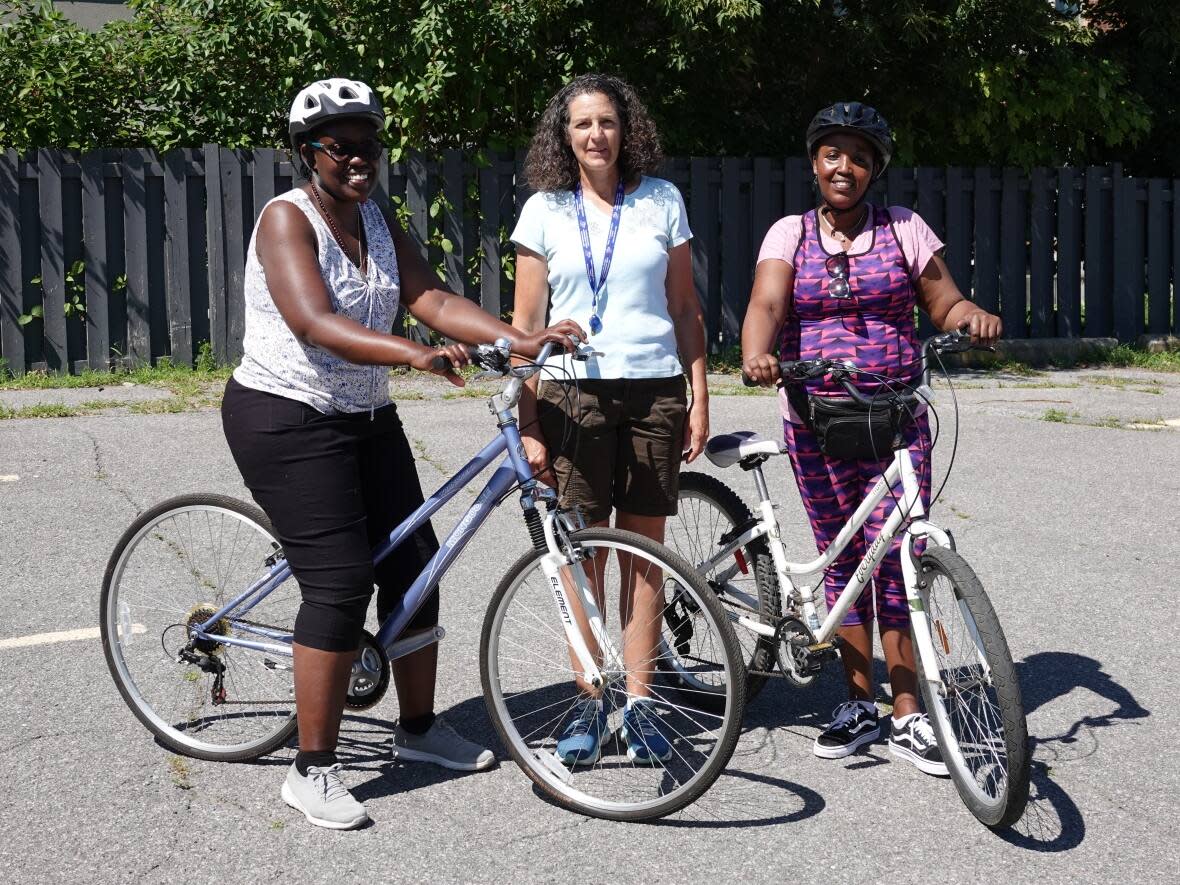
{"points": [[963, 81]]}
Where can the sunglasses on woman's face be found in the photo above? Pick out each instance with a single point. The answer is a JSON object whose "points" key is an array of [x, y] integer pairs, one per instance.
{"points": [[341, 151], [837, 267]]}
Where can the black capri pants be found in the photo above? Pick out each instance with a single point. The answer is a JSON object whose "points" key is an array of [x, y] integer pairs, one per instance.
{"points": [[333, 486]]}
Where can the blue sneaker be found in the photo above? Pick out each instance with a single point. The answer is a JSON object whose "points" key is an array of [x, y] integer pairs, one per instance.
{"points": [[645, 744], [582, 740]]}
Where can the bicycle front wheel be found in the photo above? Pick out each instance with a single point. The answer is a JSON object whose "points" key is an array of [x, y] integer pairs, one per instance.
{"points": [[979, 718], [707, 511], [175, 567], [532, 695]]}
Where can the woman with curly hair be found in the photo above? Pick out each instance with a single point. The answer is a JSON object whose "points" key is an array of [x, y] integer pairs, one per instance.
{"points": [[605, 243]]}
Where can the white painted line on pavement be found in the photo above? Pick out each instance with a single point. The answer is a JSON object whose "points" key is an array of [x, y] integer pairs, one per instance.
{"points": [[60, 636]]}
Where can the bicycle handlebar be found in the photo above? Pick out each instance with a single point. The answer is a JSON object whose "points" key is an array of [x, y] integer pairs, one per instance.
{"points": [[794, 371]]}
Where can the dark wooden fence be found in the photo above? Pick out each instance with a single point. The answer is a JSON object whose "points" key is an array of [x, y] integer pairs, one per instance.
{"points": [[162, 241]]}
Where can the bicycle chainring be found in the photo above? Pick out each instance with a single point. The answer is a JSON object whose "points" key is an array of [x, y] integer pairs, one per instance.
{"points": [[370, 674], [791, 641]]}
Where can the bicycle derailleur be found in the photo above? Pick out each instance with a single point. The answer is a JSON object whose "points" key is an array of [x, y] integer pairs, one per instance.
{"points": [[800, 658]]}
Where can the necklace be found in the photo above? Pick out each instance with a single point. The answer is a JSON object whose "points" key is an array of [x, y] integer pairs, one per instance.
{"points": [[336, 233], [845, 239]]}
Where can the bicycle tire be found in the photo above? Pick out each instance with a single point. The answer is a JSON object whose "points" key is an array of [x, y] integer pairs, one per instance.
{"points": [[528, 709], [980, 724], [183, 557], [707, 508]]}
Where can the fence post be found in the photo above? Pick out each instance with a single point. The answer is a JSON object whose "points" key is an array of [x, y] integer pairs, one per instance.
{"points": [[1097, 296], [1013, 256], [733, 252], [1128, 259], [1041, 254], [703, 221], [94, 241], [1069, 255], [1159, 258], [454, 195], [180, 324], [958, 230], [235, 252], [489, 235], [53, 269], [12, 335], [215, 250], [987, 228], [135, 245]]}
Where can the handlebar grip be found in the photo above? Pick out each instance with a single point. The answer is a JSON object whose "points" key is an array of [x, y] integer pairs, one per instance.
{"points": [[440, 364], [747, 381]]}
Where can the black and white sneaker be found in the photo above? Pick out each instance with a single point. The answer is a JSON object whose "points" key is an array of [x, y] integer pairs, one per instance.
{"points": [[911, 738], [854, 724]]}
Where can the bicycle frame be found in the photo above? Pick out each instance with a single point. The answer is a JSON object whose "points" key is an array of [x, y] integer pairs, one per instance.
{"points": [[513, 469], [906, 517]]}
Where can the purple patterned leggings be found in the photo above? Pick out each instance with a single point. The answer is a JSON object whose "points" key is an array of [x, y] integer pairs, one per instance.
{"points": [[832, 490]]}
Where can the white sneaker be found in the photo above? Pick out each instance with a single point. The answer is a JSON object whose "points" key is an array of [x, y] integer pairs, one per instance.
{"points": [[441, 745], [323, 798]]}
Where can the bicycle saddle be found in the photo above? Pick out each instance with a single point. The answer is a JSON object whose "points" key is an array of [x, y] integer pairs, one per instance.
{"points": [[728, 449]]}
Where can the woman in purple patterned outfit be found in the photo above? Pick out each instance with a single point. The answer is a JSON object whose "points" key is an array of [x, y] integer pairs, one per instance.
{"points": [[841, 282]]}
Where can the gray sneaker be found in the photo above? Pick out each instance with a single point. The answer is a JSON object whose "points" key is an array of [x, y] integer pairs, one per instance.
{"points": [[323, 798], [441, 745]]}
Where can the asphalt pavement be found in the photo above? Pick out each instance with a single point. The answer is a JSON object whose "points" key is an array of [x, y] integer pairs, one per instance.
{"points": [[1064, 497]]}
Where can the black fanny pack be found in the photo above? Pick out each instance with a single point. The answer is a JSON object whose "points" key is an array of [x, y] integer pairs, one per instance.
{"points": [[847, 430]]}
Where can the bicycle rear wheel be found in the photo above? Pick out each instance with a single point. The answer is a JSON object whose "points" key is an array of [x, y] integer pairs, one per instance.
{"points": [[745, 584], [175, 567], [531, 693], [979, 720]]}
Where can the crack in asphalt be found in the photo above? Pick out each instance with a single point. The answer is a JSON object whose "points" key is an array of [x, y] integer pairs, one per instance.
{"points": [[103, 477], [36, 737]]}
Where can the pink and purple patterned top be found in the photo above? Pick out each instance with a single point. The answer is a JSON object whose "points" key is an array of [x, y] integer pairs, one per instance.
{"points": [[874, 328]]}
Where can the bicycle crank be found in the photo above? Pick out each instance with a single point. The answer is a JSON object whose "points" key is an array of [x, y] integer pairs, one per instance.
{"points": [[370, 674], [800, 658]]}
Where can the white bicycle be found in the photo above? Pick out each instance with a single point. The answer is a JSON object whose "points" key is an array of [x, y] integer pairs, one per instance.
{"points": [[965, 670]]}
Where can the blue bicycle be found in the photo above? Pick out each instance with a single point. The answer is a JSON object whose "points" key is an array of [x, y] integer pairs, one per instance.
{"points": [[198, 605]]}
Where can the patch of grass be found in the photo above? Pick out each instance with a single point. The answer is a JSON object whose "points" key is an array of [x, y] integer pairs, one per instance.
{"points": [[1034, 385], [163, 374], [405, 395], [1014, 367], [1107, 421], [1126, 357], [727, 362], [740, 390], [1057, 416], [180, 773]]}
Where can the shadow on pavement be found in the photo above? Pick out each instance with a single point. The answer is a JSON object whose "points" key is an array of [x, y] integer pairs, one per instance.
{"points": [[1053, 822]]}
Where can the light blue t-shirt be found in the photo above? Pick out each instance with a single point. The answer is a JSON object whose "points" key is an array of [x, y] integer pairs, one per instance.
{"points": [[637, 338]]}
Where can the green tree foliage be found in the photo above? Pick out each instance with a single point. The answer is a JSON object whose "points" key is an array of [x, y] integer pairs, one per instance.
{"points": [[962, 81]]}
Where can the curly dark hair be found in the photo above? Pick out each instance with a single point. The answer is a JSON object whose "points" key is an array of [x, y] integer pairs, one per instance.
{"points": [[551, 166]]}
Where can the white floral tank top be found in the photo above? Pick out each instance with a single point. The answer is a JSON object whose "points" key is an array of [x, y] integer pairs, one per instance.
{"points": [[275, 361]]}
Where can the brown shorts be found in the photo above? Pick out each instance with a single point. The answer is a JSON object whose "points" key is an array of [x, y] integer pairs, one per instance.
{"points": [[616, 443]]}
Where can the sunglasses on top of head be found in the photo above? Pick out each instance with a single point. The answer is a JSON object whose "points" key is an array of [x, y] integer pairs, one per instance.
{"points": [[340, 151]]}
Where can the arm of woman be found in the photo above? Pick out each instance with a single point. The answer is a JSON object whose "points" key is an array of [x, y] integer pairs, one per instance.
{"points": [[948, 309], [688, 324], [770, 299], [286, 247], [530, 304], [442, 310]]}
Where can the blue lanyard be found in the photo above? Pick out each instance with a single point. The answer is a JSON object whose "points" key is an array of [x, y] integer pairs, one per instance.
{"points": [[584, 229]]}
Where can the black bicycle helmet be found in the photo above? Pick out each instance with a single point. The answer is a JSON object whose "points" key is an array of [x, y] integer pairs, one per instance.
{"points": [[852, 116]]}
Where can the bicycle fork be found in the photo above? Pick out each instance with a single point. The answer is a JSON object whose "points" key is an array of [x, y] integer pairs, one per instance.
{"points": [[577, 607]]}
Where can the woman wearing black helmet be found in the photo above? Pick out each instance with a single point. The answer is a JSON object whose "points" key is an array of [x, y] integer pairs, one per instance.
{"points": [[841, 282], [310, 425]]}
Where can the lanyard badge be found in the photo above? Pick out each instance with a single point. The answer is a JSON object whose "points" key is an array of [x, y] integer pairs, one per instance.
{"points": [[596, 284]]}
